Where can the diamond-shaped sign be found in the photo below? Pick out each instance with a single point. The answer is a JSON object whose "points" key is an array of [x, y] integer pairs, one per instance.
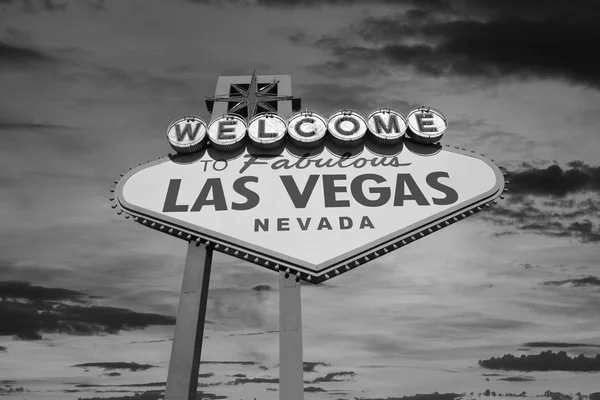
{"points": [[316, 212]]}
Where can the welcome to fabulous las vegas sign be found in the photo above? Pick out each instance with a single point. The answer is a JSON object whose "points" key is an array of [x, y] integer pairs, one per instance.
{"points": [[311, 196]]}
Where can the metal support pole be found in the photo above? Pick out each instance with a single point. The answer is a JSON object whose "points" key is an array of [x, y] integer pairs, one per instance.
{"points": [[182, 378], [291, 366]]}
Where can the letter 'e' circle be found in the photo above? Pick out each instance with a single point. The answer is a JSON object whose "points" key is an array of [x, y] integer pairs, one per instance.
{"points": [[347, 127], [387, 126], [227, 132], [426, 125], [267, 130], [186, 134], [307, 128]]}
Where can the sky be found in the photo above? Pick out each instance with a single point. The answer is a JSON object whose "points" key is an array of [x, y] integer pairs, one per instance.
{"points": [[88, 299]]}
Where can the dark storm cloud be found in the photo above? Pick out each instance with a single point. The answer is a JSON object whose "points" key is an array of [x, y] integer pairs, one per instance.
{"points": [[554, 181], [517, 379], [313, 389], [558, 344], [243, 381], [545, 361], [335, 377], [540, 201], [311, 366], [472, 39], [585, 281], [262, 288], [532, 219], [492, 48], [150, 384], [26, 291], [34, 310], [109, 366], [12, 55]]}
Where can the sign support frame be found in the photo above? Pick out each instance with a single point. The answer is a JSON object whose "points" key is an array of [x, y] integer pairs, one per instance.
{"points": [[182, 377], [291, 364]]}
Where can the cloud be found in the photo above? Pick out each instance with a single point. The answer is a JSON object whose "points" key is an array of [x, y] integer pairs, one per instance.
{"points": [[313, 389], [335, 377], [517, 379], [155, 395], [428, 396], [109, 366], [554, 181], [34, 310], [585, 281], [545, 361], [252, 333], [443, 38], [243, 381], [311, 366], [151, 384], [12, 55], [7, 390], [558, 344], [262, 288], [551, 201], [25, 291]]}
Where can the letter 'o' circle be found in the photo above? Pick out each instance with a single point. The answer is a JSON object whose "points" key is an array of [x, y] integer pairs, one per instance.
{"points": [[347, 127]]}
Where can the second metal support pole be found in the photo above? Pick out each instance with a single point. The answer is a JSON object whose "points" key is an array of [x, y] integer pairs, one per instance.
{"points": [[291, 365]]}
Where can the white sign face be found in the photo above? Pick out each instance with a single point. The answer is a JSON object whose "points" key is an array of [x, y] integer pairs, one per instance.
{"points": [[186, 134], [317, 216]]}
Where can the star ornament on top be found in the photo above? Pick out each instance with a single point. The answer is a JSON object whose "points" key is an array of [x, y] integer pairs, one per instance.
{"points": [[251, 98]]}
